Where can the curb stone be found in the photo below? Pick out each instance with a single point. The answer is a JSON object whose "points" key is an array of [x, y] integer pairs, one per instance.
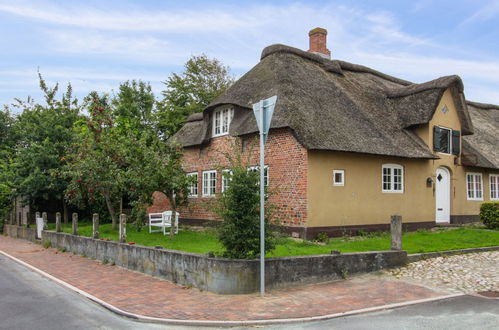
{"points": [[220, 323]]}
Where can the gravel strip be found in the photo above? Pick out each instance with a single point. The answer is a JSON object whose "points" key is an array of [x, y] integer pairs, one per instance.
{"points": [[468, 273]]}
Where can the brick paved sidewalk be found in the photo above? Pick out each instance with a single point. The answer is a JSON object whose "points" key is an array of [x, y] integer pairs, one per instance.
{"points": [[149, 296]]}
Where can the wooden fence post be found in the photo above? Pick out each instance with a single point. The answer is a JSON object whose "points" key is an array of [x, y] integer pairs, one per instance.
{"points": [[58, 222], [122, 228], [396, 232], [75, 224], [95, 225], [45, 221]]}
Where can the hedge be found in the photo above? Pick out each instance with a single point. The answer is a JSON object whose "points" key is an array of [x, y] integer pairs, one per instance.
{"points": [[489, 214]]}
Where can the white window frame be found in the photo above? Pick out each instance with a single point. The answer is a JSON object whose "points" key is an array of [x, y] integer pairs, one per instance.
{"points": [[450, 140], [266, 173], [221, 121], [194, 186], [495, 196], [392, 168], [226, 180], [471, 195], [340, 183], [209, 183]]}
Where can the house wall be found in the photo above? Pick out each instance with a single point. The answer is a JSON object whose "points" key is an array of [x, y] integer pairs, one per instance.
{"points": [[287, 161], [361, 200]]}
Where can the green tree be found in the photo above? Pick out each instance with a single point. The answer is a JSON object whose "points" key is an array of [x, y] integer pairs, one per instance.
{"points": [[97, 165], [44, 131], [134, 107], [191, 91], [7, 143], [239, 207]]}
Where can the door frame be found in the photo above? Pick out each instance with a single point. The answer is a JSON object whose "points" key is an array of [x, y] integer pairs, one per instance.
{"points": [[449, 176]]}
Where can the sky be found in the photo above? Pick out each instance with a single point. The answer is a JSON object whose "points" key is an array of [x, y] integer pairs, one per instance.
{"points": [[95, 45]]}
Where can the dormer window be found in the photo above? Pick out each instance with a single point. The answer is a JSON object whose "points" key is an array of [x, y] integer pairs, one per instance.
{"points": [[221, 121], [446, 140]]}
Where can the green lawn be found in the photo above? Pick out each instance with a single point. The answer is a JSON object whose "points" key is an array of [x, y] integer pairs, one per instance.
{"points": [[206, 241]]}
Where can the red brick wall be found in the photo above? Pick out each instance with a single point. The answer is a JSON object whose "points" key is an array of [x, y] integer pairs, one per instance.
{"points": [[287, 161]]}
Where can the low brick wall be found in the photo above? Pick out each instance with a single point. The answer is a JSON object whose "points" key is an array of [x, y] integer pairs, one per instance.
{"points": [[225, 276], [20, 232]]}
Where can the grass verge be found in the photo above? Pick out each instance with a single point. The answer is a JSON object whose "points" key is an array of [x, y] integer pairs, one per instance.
{"points": [[206, 241]]}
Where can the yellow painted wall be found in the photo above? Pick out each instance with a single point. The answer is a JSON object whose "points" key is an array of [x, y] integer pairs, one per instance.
{"points": [[361, 200]]}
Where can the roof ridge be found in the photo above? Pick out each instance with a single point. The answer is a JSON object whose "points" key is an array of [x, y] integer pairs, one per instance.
{"points": [[483, 106], [439, 83], [364, 69], [327, 64]]}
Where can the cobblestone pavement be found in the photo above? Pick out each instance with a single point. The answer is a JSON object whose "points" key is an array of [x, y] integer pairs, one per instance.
{"points": [[468, 273], [145, 295]]}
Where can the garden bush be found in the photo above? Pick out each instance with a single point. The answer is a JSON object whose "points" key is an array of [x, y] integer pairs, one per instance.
{"points": [[239, 207], [489, 214]]}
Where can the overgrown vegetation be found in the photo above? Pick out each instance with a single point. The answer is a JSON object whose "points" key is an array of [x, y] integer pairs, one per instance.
{"points": [[489, 214]]}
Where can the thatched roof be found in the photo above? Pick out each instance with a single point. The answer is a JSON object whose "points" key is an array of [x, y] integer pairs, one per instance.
{"points": [[332, 105], [482, 148]]}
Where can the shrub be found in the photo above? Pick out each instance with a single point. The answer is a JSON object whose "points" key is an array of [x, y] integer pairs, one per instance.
{"points": [[239, 207], [322, 237], [489, 214], [47, 244]]}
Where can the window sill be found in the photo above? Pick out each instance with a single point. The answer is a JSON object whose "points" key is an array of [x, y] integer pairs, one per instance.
{"points": [[392, 192], [219, 135], [475, 199]]}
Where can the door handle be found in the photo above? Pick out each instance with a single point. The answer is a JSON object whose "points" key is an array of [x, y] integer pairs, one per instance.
{"points": [[440, 209]]}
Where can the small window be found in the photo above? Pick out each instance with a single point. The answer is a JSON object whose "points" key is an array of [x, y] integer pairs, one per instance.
{"points": [[474, 186], [494, 186], [193, 188], [265, 172], [338, 177], [221, 121], [226, 179], [209, 183], [446, 140], [392, 178]]}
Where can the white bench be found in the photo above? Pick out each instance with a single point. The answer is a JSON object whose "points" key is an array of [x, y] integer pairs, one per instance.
{"points": [[162, 220]]}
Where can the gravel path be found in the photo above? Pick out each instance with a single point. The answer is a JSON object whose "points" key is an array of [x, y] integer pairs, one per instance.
{"points": [[468, 273]]}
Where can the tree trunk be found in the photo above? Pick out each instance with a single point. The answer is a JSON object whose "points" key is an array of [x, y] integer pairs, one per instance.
{"points": [[110, 208], [65, 211]]}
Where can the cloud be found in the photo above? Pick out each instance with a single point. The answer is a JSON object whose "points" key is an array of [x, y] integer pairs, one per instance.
{"points": [[131, 19], [485, 13]]}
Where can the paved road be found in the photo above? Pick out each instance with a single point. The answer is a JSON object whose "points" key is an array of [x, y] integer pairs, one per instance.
{"points": [[461, 313], [29, 301]]}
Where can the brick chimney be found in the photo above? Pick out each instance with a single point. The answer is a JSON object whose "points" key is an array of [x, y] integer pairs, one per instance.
{"points": [[318, 39]]}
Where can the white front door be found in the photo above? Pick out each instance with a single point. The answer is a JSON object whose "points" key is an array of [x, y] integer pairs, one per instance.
{"points": [[442, 195]]}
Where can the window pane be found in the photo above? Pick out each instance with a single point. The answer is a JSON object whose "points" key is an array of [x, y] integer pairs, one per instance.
{"points": [[217, 122], [225, 120], [445, 141]]}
